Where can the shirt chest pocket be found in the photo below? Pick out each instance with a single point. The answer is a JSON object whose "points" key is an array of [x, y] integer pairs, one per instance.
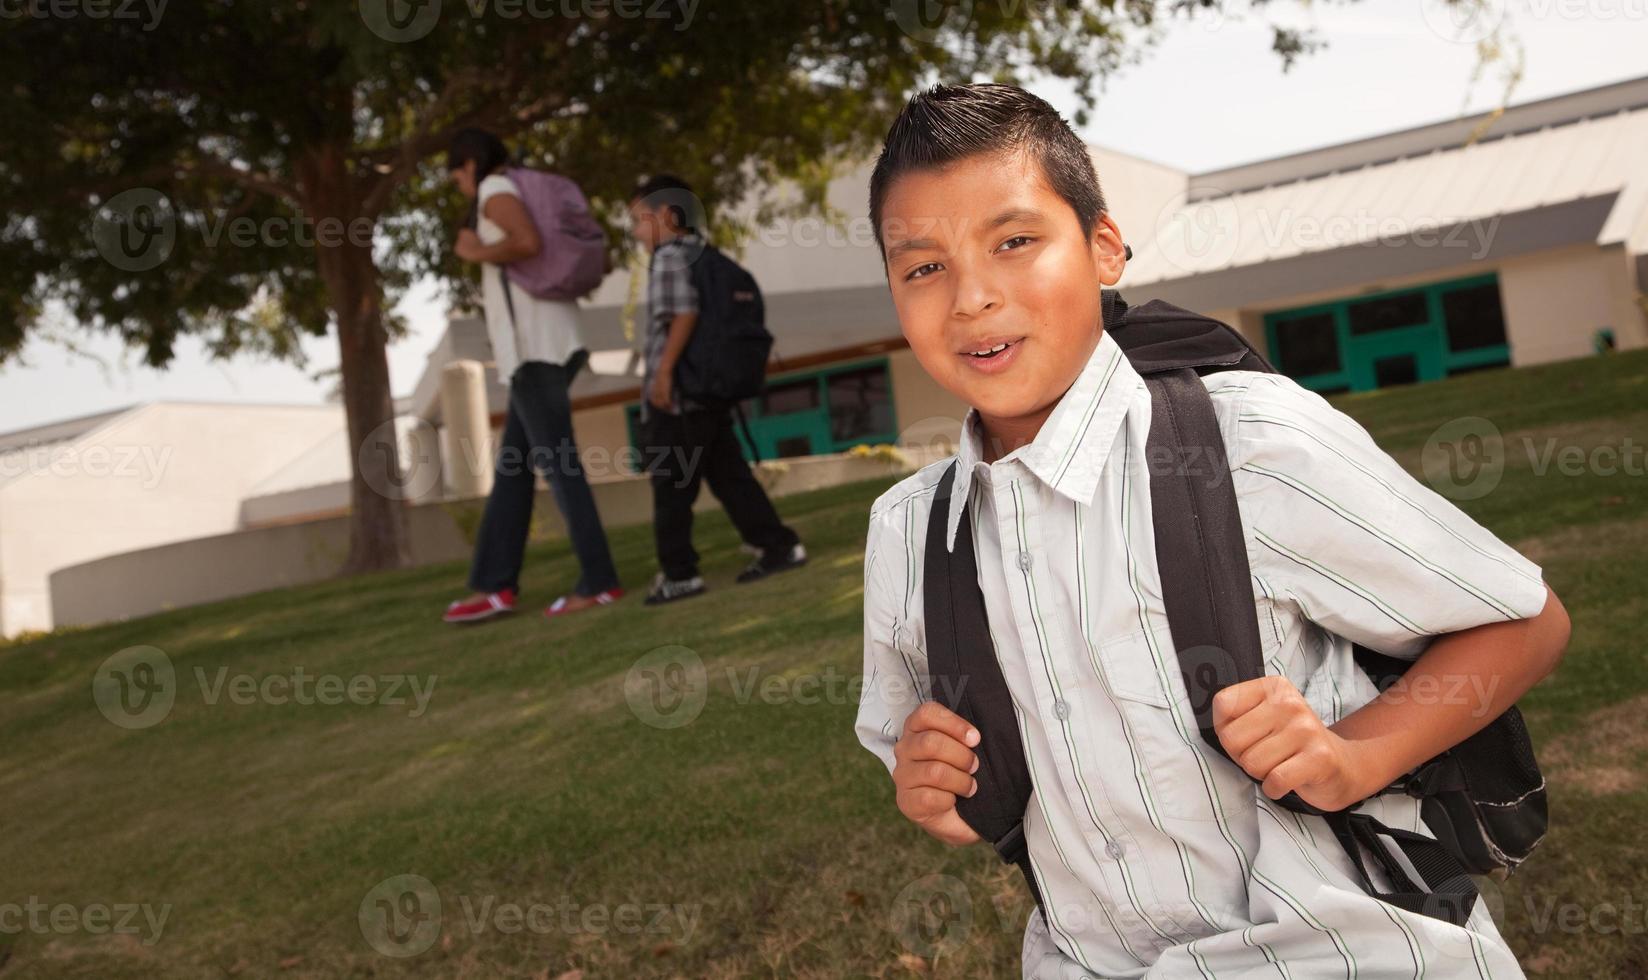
{"points": [[1153, 732]]}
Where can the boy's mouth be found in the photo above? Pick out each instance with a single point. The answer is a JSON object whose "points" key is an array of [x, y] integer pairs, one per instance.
{"points": [[992, 354]]}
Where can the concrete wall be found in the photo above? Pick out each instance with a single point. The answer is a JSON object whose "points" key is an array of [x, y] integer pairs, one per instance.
{"points": [[1554, 300], [223, 566], [158, 473]]}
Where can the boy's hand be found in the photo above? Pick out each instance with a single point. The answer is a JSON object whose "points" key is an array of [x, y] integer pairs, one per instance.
{"points": [[662, 387], [468, 245], [1272, 733], [934, 765]]}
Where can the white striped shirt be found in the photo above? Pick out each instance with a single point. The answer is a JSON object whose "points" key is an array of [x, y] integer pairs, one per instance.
{"points": [[1156, 856]]}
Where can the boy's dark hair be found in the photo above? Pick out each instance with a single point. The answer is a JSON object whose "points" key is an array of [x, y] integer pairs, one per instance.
{"points": [[949, 122], [670, 190], [486, 149]]}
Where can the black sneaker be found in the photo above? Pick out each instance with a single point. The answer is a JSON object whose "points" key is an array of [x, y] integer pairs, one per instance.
{"points": [[766, 564], [668, 590]]}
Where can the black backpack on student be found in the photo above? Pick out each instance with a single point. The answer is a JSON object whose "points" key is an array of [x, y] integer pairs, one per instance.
{"points": [[1484, 799], [725, 360]]}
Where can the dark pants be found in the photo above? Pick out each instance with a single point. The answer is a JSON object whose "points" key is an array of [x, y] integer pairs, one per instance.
{"points": [[538, 439], [678, 452]]}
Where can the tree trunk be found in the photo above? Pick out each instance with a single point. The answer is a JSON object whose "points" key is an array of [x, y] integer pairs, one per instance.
{"points": [[378, 537]]}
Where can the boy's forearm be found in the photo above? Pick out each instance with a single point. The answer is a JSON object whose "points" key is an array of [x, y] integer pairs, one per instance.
{"points": [[680, 331], [1462, 682], [505, 251]]}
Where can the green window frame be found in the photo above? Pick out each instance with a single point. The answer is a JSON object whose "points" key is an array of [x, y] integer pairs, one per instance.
{"points": [[1421, 347], [781, 433]]}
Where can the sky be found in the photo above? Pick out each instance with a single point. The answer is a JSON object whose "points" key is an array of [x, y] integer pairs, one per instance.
{"points": [[1210, 94]]}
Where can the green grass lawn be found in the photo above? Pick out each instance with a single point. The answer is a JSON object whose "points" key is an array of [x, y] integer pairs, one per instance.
{"points": [[757, 840]]}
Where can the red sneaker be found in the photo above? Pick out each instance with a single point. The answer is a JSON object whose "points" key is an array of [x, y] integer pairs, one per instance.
{"points": [[475, 610], [578, 603]]}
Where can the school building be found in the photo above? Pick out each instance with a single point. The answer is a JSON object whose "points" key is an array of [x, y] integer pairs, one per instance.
{"points": [[1512, 238], [1499, 239]]}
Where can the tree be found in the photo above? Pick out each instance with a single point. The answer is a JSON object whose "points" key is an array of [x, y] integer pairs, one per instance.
{"points": [[253, 172]]}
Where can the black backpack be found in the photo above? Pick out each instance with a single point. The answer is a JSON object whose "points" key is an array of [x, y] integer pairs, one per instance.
{"points": [[725, 360], [1484, 799]]}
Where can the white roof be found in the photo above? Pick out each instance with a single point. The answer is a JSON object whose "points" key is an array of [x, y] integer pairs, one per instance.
{"points": [[1424, 181]]}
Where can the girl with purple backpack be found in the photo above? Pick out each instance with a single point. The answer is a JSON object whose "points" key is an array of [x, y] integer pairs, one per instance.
{"points": [[531, 278]]}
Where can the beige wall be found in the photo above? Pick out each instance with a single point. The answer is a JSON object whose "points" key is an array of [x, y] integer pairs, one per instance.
{"points": [[928, 415], [159, 473], [207, 569], [1555, 301]]}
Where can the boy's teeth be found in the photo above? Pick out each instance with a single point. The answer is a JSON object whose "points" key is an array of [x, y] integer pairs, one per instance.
{"points": [[989, 350]]}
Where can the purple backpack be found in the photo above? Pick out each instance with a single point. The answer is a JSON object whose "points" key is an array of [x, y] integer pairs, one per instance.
{"points": [[571, 259]]}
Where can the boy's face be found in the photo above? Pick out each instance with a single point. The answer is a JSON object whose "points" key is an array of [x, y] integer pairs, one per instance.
{"points": [[984, 256], [652, 225], [464, 177]]}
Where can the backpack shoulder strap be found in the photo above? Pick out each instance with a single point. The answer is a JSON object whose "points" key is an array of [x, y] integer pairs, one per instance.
{"points": [[965, 677], [1201, 549], [1208, 591]]}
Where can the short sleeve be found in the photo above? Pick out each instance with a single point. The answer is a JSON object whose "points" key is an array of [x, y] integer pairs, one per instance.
{"points": [[892, 686], [673, 290], [1363, 548], [494, 184]]}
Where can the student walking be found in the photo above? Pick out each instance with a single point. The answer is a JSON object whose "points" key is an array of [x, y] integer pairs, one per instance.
{"points": [[538, 349], [688, 441]]}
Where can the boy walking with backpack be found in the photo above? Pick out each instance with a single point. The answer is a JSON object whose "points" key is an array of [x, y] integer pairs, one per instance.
{"points": [[1163, 837], [687, 436], [538, 347]]}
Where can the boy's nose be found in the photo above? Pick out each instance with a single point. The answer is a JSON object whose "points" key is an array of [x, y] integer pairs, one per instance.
{"points": [[976, 297]]}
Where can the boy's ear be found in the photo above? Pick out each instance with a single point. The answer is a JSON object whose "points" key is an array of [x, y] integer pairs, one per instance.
{"points": [[1108, 250]]}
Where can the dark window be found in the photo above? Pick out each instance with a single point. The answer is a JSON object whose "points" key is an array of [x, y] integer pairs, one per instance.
{"points": [[1474, 367], [796, 396], [794, 446], [860, 403], [1474, 317], [1403, 370], [1309, 345], [1387, 313]]}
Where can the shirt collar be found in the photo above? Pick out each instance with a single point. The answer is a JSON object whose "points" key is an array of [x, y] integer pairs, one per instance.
{"points": [[1070, 451]]}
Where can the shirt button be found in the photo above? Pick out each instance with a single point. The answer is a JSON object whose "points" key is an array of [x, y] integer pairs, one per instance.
{"points": [[1114, 849], [1026, 560], [1061, 708]]}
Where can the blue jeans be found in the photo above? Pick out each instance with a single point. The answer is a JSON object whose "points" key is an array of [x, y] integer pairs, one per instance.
{"points": [[538, 439]]}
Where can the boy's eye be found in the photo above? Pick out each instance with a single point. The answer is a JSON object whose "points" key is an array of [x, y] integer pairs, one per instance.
{"points": [[1022, 239], [920, 270]]}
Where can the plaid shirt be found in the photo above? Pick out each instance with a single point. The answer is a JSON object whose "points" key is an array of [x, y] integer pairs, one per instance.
{"points": [[669, 292]]}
